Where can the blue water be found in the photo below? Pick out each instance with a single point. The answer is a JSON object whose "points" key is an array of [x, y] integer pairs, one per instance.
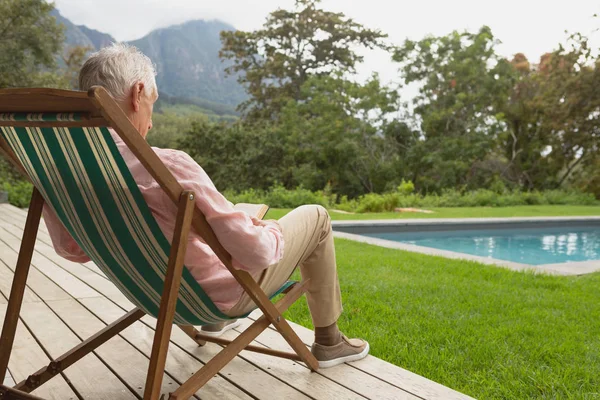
{"points": [[527, 246]]}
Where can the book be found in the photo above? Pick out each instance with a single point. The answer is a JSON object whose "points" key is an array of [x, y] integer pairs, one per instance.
{"points": [[254, 210]]}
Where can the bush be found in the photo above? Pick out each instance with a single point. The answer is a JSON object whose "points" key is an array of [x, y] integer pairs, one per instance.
{"points": [[403, 196], [280, 197], [19, 193]]}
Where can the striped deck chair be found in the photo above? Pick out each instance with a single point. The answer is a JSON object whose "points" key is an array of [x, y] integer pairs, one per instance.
{"points": [[60, 141]]}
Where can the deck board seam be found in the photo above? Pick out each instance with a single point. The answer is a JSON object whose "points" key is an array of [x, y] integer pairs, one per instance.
{"points": [[47, 353], [46, 242]]}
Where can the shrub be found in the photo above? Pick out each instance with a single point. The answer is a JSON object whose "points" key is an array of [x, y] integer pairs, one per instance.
{"points": [[280, 197], [19, 193]]}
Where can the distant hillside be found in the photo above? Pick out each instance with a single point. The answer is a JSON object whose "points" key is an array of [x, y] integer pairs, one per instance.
{"points": [[186, 57], [98, 39], [74, 36], [188, 64]]}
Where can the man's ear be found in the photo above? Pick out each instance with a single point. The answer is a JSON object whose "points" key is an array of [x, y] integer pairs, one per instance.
{"points": [[136, 96]]}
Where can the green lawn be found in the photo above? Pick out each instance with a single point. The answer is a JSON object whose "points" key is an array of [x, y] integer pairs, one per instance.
{"points": [[485, 331], [466, 212]]}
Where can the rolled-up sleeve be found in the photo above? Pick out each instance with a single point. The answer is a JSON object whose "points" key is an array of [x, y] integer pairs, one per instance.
{"points": [[253, 246]]}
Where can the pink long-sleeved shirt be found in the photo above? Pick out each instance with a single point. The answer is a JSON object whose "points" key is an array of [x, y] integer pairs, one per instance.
{"points": [[253, 244]]}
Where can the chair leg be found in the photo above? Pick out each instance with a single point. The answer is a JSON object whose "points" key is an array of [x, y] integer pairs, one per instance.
{"points": [[192, 333], [169, 297], [211, 368], [273, 314], [20, 280]]}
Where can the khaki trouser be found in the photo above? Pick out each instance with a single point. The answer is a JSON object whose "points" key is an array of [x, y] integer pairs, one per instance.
{"points": [[308, 242]]}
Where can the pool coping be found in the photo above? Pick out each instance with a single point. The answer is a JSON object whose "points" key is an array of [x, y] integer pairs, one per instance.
{"points": [[569, 268]]}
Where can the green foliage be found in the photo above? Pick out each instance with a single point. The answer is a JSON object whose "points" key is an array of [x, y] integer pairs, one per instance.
{"points": [[406, 188], [293, 46], [170, 126], [280, 197], [239, 157], [552, 117], [461, 212], [464, 85], [166, 101], [29, 40], [19, 193]]}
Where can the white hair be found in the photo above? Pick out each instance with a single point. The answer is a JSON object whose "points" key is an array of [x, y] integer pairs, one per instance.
{"points": [[118, 68]]}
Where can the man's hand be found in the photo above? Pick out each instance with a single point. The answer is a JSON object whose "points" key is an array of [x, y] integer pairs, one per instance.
{"points": [[267, 222]]}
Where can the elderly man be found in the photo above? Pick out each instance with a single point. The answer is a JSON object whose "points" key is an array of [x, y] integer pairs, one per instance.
{"points": [[269, 250]]}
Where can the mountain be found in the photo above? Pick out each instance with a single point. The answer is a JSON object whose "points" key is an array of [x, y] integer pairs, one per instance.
{"points": [[186, 56], [188, 63], [73, 35], [97, 38]]}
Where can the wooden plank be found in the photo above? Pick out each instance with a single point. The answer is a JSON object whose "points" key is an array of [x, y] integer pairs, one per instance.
{"points": [[124, 360], [27, 357], [347, 376], [180, 365], [43, 241], [387, 372], [37, 100], [19, 281], [75, 269], [8, 380], [99, 283], [6, 277], [90, 377], [36, 281], [62, 278]]}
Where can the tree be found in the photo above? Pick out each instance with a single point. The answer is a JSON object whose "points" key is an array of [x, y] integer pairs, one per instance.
{"points": [[169, 128], [341, 135], [276, 61], [464, 86], [553, 117], [29, 41], [237, 156], [73, 59]]}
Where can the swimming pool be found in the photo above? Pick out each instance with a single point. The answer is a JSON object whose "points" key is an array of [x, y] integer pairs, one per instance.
{"points": [[533, 246]]}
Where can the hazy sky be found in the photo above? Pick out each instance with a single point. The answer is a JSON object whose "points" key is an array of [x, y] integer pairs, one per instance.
{"points": [[529, 26]]}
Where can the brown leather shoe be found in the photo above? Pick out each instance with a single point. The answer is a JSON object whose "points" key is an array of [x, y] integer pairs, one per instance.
{"points": [[216, 330], [346, 351]]}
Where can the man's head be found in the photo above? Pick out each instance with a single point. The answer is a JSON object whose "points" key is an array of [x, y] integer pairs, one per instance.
{"points": [[129, 76]]}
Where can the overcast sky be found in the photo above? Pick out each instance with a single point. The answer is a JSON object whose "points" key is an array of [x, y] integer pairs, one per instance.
{"points": [[529, 26]]}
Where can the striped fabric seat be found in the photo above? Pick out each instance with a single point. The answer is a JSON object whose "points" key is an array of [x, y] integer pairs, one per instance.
{"points": [[82, 176]]}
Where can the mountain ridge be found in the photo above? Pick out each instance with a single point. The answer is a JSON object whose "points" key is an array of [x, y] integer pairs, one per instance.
{"points": [[186, 56]]}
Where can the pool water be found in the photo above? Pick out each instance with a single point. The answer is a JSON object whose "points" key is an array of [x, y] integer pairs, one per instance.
{"points": [[527, 246]]}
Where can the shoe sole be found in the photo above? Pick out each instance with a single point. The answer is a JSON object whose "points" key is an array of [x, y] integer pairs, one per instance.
{"points": [[341, 360], [222, 331]]}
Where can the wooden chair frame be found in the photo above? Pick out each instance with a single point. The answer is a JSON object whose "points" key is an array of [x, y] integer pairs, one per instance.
{"points": [[99, 109]]}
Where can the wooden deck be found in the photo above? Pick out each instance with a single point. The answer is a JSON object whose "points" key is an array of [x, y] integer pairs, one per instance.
{"points": [[67, 302]]}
